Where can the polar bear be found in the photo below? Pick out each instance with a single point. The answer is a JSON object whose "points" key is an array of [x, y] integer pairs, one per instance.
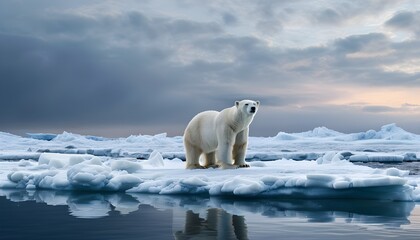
{"points": [[220, 135]]}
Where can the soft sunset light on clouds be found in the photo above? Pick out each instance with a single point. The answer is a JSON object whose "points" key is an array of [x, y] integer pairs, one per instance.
{"points": [[392, 97], [126, 67]]}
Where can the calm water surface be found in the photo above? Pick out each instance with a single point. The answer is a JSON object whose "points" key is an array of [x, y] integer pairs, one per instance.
{"points": [[69, 215]]}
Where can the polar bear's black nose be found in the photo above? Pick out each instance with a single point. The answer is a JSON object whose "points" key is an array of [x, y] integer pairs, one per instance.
{"points": [[252, 109]]}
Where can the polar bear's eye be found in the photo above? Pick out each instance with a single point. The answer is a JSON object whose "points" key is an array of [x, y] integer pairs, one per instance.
{"points": [[246, 104]]}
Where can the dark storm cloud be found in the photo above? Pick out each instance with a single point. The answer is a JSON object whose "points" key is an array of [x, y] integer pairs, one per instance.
{"points": [[74, 88], [284, 68], [328, 16], [67, 73], [66, 82], [339, 12], [66, 23], [132, 26], [251, 56], [62, 68], [269, 27], [361, 59], [71, 81], [401, 20], [358, 43], [229, 18], [407, 21]]}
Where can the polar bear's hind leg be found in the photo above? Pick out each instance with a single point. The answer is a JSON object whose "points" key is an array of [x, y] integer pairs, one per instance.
{"points": [[211, 160], [192, 155]]}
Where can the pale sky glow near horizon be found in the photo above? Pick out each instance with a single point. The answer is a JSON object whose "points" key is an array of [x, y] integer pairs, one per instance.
{"points": [[118, 68]]}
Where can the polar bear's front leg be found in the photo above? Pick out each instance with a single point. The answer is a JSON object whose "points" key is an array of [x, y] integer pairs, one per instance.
{"points": [[211, 160], [225, 139], [239, 149], [224, 156]]}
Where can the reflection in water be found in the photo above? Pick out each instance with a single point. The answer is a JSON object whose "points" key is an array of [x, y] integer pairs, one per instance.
{"points": [[80, 204], [67, 216], [191, 217], [218, 224]]}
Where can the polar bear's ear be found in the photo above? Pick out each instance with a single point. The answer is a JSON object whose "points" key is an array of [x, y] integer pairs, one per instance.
{"points": [[258, 102], [237, 103]]}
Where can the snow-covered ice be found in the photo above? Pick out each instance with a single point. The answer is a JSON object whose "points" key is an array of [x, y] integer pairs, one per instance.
{"points": [[153, 164], [282, 178]]}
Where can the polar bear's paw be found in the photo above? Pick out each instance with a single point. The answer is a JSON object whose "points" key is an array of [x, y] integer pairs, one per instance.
{"points": [[243, 166], [212, 166], [195, 166]]}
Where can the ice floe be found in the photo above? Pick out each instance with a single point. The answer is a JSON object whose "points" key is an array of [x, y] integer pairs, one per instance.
{"points": [[329, 177], [154, 164]]}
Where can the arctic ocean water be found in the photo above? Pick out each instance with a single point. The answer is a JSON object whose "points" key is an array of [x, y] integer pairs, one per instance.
{"points": [[80, 215]]}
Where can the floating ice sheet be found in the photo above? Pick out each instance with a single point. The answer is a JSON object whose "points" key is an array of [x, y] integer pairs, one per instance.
{"points": [[331, 178], [140, 163]]}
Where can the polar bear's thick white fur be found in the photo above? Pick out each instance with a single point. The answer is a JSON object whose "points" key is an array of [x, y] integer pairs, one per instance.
{"points": [[221, 136]]}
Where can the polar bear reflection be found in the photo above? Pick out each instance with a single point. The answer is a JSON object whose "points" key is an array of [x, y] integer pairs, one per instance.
{"points": [[218, 225]]}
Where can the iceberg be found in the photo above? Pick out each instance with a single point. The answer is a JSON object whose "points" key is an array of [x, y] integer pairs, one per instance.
{"points": [[387, 132], [320, 132]]}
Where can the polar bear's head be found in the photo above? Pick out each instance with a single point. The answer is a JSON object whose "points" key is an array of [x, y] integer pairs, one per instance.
{"points": [[248, 106]]}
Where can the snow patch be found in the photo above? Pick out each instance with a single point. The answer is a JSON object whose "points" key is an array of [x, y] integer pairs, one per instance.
{"points": [[125, 165]]}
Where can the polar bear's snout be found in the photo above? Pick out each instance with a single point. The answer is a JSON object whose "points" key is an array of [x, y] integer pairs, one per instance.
{"points": [[252, 109]]}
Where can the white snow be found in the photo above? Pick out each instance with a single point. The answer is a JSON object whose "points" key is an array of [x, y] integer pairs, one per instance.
{"points": [[153, 164]]}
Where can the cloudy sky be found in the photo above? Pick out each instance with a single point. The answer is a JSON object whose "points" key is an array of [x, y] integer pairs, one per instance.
{"points": [[116, 68]]}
